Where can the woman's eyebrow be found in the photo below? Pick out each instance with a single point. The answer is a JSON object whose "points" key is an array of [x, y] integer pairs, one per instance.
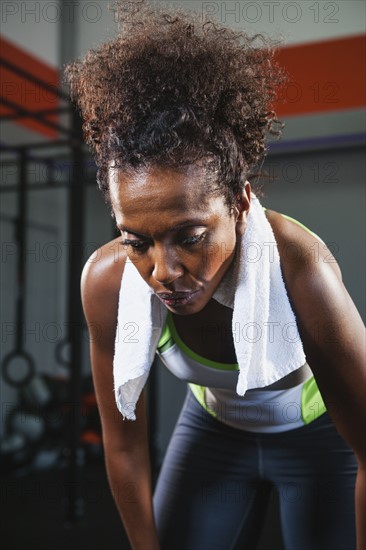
{"points": [[190, 223], [187, 223], [127, 230]]}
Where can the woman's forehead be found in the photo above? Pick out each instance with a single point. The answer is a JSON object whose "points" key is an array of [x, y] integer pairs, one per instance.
{"points": [[169, 187], [156, 201]]}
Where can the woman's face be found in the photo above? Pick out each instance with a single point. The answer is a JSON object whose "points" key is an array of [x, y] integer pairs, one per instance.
{"points": [[181, 239]]}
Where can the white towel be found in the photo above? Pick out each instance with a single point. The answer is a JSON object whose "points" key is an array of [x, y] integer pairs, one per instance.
{"points": [[266, 338]]}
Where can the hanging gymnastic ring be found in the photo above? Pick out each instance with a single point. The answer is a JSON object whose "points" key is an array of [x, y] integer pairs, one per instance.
{"points": [[6, 365]]}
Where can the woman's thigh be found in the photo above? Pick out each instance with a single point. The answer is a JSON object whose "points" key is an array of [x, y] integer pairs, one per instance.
{"points": [[208, 491], [314, 471]]}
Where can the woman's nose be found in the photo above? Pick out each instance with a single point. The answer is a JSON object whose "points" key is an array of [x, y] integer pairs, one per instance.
{"points": [[167, 267]]}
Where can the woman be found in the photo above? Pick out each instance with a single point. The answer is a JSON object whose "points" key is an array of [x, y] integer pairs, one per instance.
{"points": [[176, 112]]}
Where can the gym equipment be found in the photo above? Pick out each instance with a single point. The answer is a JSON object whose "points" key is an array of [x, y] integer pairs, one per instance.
{"points": [[31, 426], [62, 416], [36, 394], [14, 452], [25, 425], [20, 238]]}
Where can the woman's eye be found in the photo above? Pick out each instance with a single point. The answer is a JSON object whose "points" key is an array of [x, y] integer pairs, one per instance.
{"points": [[193, 240], [140, 246]]}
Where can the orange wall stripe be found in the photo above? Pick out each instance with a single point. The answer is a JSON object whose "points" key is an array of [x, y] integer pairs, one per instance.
{"points": [[27, 94], [324, 76]]}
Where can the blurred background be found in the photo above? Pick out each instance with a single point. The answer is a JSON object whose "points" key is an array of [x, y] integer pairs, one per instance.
{"points": [[52, 217]]}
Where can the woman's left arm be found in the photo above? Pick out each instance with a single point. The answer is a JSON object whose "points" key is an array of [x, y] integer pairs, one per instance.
{"points": [[333, 336]]}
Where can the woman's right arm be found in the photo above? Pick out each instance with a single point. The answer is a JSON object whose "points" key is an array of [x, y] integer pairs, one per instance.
{"points": [[125, 442]]}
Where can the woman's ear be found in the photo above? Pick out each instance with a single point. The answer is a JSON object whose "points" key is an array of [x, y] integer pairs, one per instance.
{"points": [[241, 209]]}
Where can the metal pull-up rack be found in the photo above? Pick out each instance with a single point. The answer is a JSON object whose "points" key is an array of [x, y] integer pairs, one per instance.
{"points": [[21, 155]]}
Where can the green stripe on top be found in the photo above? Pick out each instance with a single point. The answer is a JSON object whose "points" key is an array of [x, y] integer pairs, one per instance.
{"points": [[199, 393], [194, 355], [170, 336], [166, 341], [312, 404]]}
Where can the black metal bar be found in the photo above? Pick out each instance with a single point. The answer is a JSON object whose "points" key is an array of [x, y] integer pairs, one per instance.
{"points": [[42, 112], [29, 76], [20, 228], [43, 187], [31, 114], [51, 160], [36, 145], [75, 315]]}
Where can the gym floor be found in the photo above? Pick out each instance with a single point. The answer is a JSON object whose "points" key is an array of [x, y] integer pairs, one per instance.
{"points": [[35, 507], [34, 511]]}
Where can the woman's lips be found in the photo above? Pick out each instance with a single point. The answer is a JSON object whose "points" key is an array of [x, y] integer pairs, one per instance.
{"points": [[176, 298]]}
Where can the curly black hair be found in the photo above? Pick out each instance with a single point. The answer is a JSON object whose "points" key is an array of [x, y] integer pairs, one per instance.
{"points": [[173, 88]]}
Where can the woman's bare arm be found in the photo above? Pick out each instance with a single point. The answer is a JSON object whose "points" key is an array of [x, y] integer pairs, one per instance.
{"points": [[125, 443], [333, 336]]}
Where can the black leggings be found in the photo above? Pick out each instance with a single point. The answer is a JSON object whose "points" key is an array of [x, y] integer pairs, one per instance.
{"points": [[212, 490]]}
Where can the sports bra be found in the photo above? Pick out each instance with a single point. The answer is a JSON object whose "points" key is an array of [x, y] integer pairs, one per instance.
{"points": [[214, 386]]}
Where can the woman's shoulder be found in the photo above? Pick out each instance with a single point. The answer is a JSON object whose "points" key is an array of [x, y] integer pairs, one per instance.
{"points": [[299, 248], [314, 286], [100, 285], [104, 268]]}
